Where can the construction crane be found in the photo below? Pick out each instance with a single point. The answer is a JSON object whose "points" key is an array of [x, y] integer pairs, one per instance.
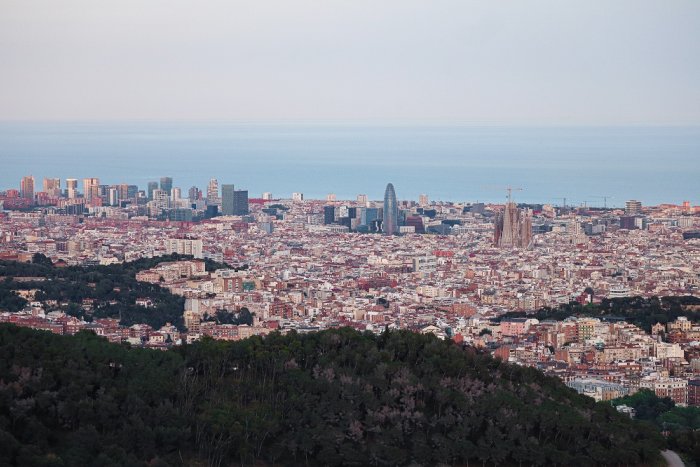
{"points": [[563, 199], [605, 200], [508, 188]]}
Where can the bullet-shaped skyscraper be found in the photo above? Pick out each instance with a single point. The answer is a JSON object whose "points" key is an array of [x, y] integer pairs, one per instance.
{"points": [[390, 224]]}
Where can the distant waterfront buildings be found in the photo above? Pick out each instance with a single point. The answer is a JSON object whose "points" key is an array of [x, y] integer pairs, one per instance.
{"points": [[633, 207], [72, 188], [390, 224], [213, 192], [227, 199], [240, 202], [52, 187], [267, 196], [91, 189], [194, 194], [27, 188], [298, 197], [166, 184], [152, 186]]}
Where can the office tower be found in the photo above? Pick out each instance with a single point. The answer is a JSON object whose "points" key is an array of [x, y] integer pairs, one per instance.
{"points": [[103, 194], [122, 191], [72, 188], [152, 186], [26, 188], [132, 191], [166, 184], [175, 194], [213, 192], [633, 207], [114, 196], [227, 191], [328, 214], [52, 187], [240, 202], [390, 220], [194, 194], [513, 227], [330, 197], [91, 188], [297, 197], [267, 196], [423, 200], [362, 199]]}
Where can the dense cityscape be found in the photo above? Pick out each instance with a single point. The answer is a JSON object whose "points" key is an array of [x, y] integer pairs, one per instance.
{"points": [[471, 272]]}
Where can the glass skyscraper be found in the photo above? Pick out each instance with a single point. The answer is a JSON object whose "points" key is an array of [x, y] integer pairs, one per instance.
{"points": [[166, 184], [227, 200], [390, 224]]}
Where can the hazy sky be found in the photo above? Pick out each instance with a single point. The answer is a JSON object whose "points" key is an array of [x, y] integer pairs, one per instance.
{"points": [[513, 62]]}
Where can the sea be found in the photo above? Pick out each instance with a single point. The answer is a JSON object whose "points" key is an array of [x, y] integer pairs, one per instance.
{"points": [[591, 166]]}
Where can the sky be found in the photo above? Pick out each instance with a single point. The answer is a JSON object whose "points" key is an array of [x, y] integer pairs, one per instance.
{"points": [[522, 62]]}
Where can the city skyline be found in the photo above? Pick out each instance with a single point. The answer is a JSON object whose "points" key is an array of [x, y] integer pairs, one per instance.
{"points": [[215, 194]]}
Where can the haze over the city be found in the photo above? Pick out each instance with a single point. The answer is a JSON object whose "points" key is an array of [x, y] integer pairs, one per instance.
{"points": [[513, 62]]}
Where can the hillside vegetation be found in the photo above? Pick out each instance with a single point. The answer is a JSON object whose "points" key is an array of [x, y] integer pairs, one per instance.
{"points": [[328, 398]]}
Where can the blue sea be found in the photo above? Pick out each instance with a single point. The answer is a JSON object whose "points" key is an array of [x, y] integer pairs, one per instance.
{"points": [[447, 162]]}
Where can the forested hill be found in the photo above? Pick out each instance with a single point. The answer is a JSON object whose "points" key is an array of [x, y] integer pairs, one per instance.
{"points": [[114, 289], [328, 398]]}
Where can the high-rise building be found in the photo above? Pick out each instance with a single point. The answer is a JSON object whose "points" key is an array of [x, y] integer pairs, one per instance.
{"points": [[160, 200], [267, 196], [152, 186], [166, 184], [633, 207], [194, 194], [362, 199], [72, 188], [240, 202], [26, 187], [297, 197], [423, 200], [328, 214], [132, 191], [213, 192], [390, 220], [91, 188], [513, 227], [114, 196], [330, 197], [227, 194], [175, 194], [52, 187]]}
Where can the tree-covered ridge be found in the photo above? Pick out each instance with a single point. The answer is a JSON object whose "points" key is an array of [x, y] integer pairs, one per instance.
{"points": [[680, 423], [328, 398], [640, 311], [114, 289]]}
